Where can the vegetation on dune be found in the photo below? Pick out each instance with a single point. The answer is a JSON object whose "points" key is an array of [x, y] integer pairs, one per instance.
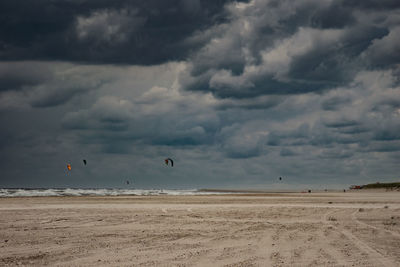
{"points": [[381, 185]]}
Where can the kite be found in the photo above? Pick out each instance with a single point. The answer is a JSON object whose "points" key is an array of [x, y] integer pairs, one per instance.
{"points": [[169, 160]]}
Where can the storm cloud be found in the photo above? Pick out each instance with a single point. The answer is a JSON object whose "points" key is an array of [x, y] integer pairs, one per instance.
{"points": [[238, 93], [130, 32], [286, 47]]}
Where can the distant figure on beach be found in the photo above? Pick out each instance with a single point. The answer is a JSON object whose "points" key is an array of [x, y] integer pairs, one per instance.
{"points": [[309, 191], [69, 166], [84, 161], [280, 178]]}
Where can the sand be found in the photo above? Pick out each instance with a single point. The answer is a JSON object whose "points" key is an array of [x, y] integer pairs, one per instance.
{"points": [[292, 229]]}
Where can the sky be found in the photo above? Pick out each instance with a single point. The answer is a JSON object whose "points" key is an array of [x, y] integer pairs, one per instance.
{"points": [[237, 93]]}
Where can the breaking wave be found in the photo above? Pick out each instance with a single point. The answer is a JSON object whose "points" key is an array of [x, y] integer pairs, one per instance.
{"points": [[97, 192]]}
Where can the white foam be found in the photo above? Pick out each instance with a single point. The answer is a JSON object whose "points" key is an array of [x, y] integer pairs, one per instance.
{"points": [[97, 192]]}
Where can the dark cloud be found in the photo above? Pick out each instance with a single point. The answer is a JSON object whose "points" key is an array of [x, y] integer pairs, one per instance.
{"points": [[390, 133], [295, 136], [237, 93], [286, 152], [289, 49], [243, 141], [17, 75], [48, 84], [341, 124], [382, 146], [336, 154], [265, 102], [383, 52], [334, 62], [335, 102], [50, 97], [154, 118], [372, 4], [355, 129], [136, 32], [335, 15]]}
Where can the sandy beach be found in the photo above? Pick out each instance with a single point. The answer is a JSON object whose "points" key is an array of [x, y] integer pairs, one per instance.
{"points": [[274, 229]]}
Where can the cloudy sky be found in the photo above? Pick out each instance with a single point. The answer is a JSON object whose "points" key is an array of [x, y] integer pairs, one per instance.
{"points": [[238, 93]]}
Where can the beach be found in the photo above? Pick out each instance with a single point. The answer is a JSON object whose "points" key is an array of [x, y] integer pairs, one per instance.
{"points": [[360, 228]]}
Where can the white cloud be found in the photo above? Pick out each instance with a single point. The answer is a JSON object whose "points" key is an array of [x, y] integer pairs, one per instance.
{"points": [[108, 26]]}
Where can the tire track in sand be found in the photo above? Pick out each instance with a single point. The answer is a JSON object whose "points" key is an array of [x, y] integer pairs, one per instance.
{"points": [[374, 255], [331, 250], [354, 217]]}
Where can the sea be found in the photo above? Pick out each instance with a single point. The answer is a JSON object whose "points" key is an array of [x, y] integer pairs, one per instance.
{"points": [[40, 192]]}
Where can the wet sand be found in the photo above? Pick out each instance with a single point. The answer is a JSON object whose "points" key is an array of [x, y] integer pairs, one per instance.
{"points": [[281, 229]]}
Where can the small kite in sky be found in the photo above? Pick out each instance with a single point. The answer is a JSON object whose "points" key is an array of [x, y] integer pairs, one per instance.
{"points": [[169, 160]]}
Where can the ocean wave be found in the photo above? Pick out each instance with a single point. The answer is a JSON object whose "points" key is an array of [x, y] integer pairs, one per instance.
{"points": [[97, 192]]}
